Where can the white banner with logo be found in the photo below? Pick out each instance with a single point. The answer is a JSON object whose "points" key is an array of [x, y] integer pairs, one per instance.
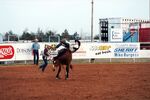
{"points": [[23, 51], [116, 35], [99, 50], [126, 50], [7, 52]]}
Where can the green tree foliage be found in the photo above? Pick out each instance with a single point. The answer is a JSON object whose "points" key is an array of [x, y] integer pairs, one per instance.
{"points": [[65, 34], [6, 36], [96, 36], [76, 36], [40, 35], [27, 36], [10, 36], [47, 36], [50, 33]]}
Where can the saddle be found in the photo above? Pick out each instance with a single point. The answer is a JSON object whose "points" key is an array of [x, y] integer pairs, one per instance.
{"points": [[60, 53]]}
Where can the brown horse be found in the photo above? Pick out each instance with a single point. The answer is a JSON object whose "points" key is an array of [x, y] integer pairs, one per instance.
{"points": [[65, 59]]}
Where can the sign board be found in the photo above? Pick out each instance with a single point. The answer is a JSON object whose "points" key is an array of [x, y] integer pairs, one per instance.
{"points": [[23, 51], [116, 35]]}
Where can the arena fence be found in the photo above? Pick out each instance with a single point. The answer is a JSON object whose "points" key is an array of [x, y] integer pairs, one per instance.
{"points": [[97, 51]]}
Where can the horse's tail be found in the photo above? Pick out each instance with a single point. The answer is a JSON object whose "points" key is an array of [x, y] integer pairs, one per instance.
{"points": [[75, 49]]}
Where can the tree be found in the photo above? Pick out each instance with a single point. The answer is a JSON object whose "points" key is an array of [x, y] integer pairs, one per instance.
{"points": [[49, 34], [65, 34], [96, 36], [76, 36], [10, 36], [27, 36], [40, 35], [6, 36]]}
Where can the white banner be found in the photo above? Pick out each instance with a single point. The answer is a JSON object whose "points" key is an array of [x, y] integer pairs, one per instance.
{"points": [[144, 53], [23, 51], [126, 50], [116, 35], [99, 50]]}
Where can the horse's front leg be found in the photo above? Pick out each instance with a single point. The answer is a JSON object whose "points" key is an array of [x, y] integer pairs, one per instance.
{"points": [[67, 72], [59, 69]]}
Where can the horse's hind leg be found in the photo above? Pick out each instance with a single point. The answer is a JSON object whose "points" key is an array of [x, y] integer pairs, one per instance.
{"points": [[71, 66], [67, 72], [59, 69]]}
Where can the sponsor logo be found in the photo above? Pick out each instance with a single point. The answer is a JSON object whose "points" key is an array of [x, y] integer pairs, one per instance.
{"points": [[103, 49], [100, 48], [24, 51], [116, 35], [128, 52], [6, 52], [125, 50]]}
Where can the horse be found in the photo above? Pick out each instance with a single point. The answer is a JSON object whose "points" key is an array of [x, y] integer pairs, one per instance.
{"points": [[65, 59]]}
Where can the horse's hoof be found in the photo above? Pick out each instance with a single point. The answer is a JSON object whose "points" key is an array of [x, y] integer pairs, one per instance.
{"points": [[58, 78], [66, 78]]}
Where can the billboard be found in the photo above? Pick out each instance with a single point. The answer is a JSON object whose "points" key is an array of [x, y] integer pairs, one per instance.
{"points": [[144, 32], [23, 51], [116, 35], [132, 34], [7, 52]]}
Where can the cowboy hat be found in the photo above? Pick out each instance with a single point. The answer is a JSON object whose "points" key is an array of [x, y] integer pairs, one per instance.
{"points": [[36, 40]]}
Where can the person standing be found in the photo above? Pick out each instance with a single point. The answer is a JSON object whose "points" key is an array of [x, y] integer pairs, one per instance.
{"points": [[45, 56], [35, 49]]}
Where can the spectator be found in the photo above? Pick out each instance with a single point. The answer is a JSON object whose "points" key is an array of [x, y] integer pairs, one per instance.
{"points": [[35, 49], [45, 56]]}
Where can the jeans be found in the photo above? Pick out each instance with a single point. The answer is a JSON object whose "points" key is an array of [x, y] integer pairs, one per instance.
{"points": [[36, 56], [43, 66]]}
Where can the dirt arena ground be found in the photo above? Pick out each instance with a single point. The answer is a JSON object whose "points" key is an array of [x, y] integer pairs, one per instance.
{"points": [[86, 82]]}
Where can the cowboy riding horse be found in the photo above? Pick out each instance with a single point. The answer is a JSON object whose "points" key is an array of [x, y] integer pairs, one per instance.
{"points": [[64, 57]]}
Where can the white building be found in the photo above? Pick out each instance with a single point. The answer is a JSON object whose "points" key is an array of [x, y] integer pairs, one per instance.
{"points": [[116, 28]]}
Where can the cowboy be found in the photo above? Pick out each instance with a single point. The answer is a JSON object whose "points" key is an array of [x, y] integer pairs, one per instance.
{"points": [[62, 47], [35, 49]]}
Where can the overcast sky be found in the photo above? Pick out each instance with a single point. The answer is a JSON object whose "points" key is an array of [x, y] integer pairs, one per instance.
{"points": [[58, 15]]}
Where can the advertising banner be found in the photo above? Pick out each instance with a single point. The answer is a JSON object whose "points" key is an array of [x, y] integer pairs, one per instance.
{"points": [[82, 52], [133, 34], [7, 52], [116, 35], [126, 50], [23, 51], [99, 50]]}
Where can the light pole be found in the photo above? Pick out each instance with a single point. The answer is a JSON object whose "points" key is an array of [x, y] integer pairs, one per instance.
{"points": [[92, 21], [149, 10], [92, 59]]}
